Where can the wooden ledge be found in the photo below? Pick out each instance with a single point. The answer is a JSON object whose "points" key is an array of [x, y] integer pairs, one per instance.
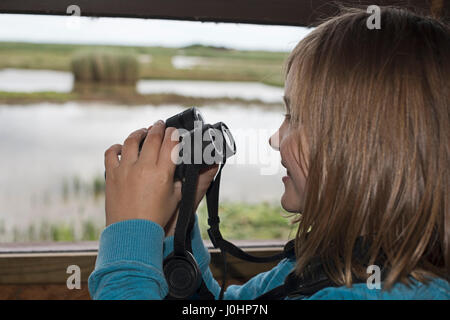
{"points": [[92, 246], [39, 270]]}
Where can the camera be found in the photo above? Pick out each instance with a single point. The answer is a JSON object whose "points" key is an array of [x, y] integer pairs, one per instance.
{"points": [[201, 144]]}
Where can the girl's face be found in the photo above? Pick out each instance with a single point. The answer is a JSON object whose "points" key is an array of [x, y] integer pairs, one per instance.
{"points": [[285, 141]]}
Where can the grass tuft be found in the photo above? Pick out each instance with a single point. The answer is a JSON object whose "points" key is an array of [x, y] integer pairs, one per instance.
{"points": [[101, 66]]}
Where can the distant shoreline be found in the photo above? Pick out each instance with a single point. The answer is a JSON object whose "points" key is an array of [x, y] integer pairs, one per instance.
{"points": [[156, 63], [128, 98], [212, 63]]}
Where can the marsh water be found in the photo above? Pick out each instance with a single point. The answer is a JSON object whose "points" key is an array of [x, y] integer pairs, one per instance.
{"points": [[51, 158], [19, 80]]}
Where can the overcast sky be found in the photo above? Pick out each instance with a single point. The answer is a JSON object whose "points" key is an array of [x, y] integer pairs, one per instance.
{"points": [[127, 31]]}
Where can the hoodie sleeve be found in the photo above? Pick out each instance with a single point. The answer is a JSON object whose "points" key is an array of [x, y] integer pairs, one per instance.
{"points": [[129, 262], [130, 258]]}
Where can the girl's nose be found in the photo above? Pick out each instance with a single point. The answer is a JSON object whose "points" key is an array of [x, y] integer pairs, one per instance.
{"points": [[274, 141]]}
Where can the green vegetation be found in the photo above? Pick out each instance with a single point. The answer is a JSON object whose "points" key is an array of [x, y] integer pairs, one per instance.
{"points": [[122, 95], [240, 221], [243, 221], [55, 231], [34, 97], [105, 67], [109, 73], [220, 64]]}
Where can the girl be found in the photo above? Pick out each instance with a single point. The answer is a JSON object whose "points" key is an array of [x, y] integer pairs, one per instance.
{"points": [[365, 142]]}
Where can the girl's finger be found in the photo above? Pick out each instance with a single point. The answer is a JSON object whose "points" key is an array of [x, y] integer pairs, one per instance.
{"points": [[208, 175], [143, 140], [152, 143], [169, 150], [130, 149], [204, 181], [177, 190], [210, 171], [112, 156]]}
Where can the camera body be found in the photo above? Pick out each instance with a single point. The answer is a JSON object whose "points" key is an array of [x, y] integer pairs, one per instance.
{"points": [[201, 144]]}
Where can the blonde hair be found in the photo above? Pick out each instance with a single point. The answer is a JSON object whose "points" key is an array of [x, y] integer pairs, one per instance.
{"points": [[375, 107]]}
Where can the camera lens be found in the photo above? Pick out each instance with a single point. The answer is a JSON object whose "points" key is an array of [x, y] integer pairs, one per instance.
{"points": [[230, 145], [186, 119], [223, 140], [218, 147]]}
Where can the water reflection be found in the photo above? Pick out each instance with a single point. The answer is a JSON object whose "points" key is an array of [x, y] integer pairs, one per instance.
{"points": [[213, 89], [52, 156], [21, 80]]}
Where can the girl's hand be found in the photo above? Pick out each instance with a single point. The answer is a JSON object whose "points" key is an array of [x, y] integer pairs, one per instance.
{"points": [[141, 186]]}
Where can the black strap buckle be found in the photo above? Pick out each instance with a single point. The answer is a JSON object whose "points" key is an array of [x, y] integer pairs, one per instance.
{"points": [[215, 236]]}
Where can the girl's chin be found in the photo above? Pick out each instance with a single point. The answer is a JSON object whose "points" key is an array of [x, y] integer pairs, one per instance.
{"points": [[288, 204], [290, 210]]}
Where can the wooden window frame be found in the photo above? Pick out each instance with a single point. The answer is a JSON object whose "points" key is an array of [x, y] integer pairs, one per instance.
{"points": [[273, 12], [38, 270]]}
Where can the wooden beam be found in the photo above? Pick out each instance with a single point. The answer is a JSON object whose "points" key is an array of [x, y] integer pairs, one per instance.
{"points": [[50, 268], [275, 12], [39, 271]]}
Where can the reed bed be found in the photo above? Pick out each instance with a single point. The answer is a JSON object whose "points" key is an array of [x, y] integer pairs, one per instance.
{"points": [[107, 67]]}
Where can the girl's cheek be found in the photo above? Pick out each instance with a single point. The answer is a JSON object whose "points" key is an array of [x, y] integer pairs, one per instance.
{"points": [[290, 151]]}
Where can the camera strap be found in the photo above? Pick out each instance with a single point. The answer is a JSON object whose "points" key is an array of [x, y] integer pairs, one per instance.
{"points": [[186, 216], [212, 198], [188, 268], [182, 241], [186, 221]]}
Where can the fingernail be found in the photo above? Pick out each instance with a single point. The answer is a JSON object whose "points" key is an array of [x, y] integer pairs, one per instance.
{"points": [[159, 122]]}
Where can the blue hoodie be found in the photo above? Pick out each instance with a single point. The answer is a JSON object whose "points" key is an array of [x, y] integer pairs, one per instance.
{"points": [[129, 266]]}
